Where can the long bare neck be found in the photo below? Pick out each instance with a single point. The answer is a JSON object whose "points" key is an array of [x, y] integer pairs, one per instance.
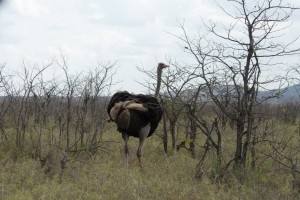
{"points": [[158, 84]]}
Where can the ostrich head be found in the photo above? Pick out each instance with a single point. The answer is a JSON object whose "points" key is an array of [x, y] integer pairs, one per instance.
{"points": [[160, 67]]}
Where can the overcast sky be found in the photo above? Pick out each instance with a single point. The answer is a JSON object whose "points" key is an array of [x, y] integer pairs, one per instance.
{"points": [[131, 32]]}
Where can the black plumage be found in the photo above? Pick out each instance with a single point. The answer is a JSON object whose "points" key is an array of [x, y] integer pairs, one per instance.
{"points": [[139, 119]]}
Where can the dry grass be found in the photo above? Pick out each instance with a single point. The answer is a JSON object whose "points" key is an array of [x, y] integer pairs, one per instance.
{"points": [[105, 176]]}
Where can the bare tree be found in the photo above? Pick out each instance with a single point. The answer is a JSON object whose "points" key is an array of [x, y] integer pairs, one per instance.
{"points": [[237, 59], [175, 83], [21, 99], [64, 111], [5, 85], [72, 83], [177, 87]]}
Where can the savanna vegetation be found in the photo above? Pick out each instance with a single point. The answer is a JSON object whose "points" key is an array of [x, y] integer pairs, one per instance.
{"points": [[219, 138]]}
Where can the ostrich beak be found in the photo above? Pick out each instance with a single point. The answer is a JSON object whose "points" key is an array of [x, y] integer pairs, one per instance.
{"points": [[162, 65]]}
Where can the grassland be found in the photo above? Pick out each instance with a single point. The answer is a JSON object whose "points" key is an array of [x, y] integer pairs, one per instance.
{"points": [[105, 175]]}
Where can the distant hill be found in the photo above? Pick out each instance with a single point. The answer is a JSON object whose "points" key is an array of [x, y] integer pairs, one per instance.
{"points": [[291, 93]]}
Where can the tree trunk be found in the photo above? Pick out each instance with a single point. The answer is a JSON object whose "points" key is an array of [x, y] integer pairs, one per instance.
{"points": [[172, 130], [193, 130], [239, 143], [253, 152]]}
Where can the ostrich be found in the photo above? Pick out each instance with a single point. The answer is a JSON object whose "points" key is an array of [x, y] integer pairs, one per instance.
{"points": [[136, 115]]}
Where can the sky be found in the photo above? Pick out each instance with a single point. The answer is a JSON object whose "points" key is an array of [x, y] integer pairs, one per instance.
{"points": [[134, 33]]}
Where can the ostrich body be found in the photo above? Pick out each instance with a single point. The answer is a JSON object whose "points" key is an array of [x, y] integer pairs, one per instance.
{"points": [[136, 115]]}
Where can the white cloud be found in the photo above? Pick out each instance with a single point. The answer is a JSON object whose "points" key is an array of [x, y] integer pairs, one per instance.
{"points": [[30, 8], [134, 32], [96, 17]]}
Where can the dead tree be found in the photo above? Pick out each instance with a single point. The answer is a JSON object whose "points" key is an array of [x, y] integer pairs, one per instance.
{"points": [[225, 57]]}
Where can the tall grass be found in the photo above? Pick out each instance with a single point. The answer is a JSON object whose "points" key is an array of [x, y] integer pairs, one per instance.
{"points": [[106, 176]]}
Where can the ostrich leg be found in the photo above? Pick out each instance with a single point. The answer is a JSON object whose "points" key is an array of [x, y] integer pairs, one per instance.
{"points": [[143, 135], [126, 149], [139, 151]]}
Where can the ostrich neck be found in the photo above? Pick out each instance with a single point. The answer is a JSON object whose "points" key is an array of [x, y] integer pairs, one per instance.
{"points": [[159, 73]]}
